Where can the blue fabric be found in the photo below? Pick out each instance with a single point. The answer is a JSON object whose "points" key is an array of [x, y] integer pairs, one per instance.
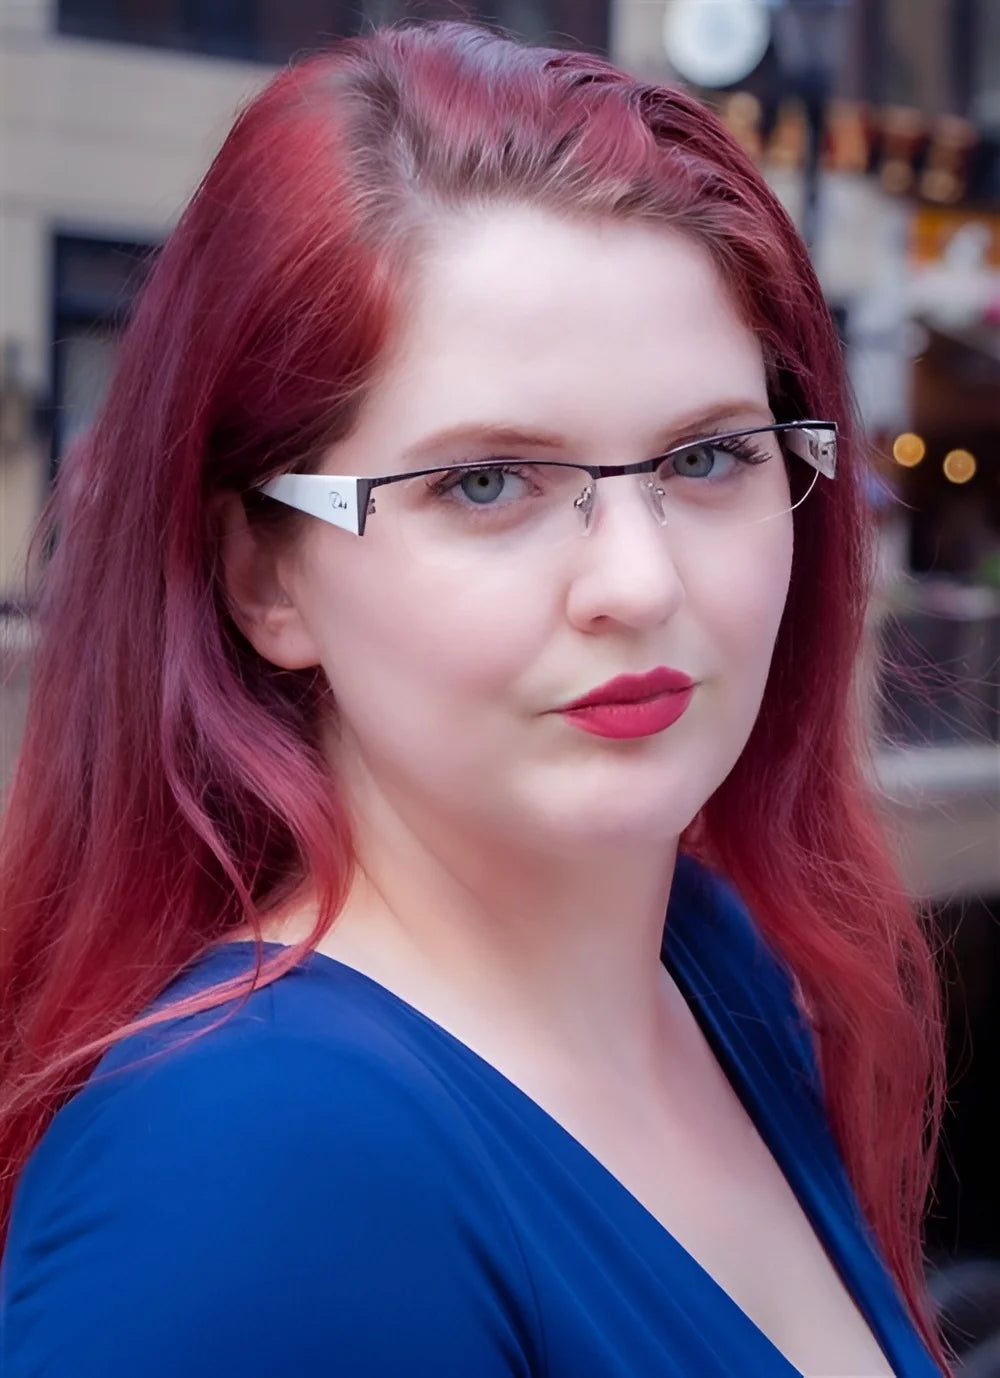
{"points": [[331, 1184]]}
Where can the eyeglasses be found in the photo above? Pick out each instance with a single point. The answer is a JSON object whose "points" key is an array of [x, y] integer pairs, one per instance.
{"points": [[504, 507]]}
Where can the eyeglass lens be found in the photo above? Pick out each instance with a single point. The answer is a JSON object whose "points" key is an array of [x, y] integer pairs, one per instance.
{"points": [[508, 508]]}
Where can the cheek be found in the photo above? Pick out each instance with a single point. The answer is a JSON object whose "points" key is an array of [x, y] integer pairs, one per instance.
{"points": [[744, 605], [449, 639]]}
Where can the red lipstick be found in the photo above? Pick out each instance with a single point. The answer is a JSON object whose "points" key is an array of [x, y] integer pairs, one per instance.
{"points": [[632, 705]]}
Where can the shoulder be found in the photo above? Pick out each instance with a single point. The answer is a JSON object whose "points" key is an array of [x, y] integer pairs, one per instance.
{"points": [[306, 1058], [268, 1163], [307, 1069]]}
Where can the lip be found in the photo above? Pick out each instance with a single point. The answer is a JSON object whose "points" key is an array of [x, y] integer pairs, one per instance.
{"points": [[634, 689], [632, 705], [628, 720]]}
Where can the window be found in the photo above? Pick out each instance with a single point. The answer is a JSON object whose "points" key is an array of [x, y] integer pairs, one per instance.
{"points": [[95, 283], [985, 102], [936, 56], [272, 31]]}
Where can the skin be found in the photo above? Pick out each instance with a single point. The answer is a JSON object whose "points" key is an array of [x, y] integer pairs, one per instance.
{"points": [[513, 871]]}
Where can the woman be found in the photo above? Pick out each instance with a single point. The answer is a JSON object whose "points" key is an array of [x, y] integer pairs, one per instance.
{"points": [[464, 573]]}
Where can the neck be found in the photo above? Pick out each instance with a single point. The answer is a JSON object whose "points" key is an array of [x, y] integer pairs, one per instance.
{"points": [[562, 955]]}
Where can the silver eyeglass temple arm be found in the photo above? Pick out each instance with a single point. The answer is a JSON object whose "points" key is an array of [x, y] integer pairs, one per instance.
{"points": [[817, 446], [332, 498]]}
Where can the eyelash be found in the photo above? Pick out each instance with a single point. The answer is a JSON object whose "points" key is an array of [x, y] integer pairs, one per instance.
{"points": [[447, 482], [740, 447]]}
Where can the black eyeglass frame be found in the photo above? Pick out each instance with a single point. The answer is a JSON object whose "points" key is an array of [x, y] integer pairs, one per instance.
{"points": [[347, 500]]}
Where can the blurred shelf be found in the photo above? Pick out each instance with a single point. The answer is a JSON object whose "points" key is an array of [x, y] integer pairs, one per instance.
{"points": [[915, 775], [942, 804]]}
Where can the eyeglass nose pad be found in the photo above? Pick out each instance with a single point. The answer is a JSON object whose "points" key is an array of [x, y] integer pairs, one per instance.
{"points": [[650, 485], [584, 504], [653, 490]]}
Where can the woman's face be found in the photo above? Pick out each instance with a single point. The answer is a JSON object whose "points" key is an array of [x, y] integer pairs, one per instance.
{"points": [[615, 340]]}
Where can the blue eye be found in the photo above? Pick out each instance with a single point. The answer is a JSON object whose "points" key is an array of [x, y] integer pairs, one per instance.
{"points": [[491, 485], [714, 460], [485, 486], [702, 461]]}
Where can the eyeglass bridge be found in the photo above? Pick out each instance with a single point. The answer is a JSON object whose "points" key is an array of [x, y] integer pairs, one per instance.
{"points": [[584, 504]]}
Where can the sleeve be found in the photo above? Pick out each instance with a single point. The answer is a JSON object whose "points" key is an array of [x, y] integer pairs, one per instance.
{"points": [[260, 1211]]}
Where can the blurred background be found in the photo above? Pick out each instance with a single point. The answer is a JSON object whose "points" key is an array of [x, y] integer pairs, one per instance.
{"points": [[878, 124]]}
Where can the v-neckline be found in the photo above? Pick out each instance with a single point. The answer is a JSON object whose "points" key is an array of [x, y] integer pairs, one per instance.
{"points": [[755, 1107]]}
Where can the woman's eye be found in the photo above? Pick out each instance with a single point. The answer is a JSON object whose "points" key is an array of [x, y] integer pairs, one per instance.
{"points": [[489, 486], [702, 461], [485, 486]]}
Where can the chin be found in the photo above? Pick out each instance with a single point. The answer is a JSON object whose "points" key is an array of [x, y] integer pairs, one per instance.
{"points": [[648, 812]]}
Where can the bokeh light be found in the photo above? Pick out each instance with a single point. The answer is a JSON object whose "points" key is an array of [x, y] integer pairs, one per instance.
{"points": [[959, 466], [908, 449]]}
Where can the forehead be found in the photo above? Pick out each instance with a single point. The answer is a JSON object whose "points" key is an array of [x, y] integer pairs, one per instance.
{"points": [[606, 333]]}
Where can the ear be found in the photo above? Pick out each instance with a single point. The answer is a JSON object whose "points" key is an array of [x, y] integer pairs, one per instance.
{"points": [[252, 564]]}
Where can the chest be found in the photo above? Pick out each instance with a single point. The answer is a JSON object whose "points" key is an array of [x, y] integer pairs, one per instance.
{"points": [[689, 1153], [698, 1165]]}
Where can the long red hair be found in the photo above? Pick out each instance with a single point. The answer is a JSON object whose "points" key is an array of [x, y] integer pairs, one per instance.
{"points": [[170, 786]]}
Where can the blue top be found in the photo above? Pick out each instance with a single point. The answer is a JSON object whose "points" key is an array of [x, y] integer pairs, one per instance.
{"points": [[333, 1185]]}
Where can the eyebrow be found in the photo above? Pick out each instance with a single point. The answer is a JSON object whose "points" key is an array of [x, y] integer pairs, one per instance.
{"points": [[731, 414]]}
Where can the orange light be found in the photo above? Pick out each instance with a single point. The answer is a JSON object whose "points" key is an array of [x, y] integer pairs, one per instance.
{"points": [[959, 466], [908, 449]]}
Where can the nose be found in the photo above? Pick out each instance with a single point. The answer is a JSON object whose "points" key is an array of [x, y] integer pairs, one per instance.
{"points": [[624, 567]]}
